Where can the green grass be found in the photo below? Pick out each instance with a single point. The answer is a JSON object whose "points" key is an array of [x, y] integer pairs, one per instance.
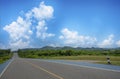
{"points": [[5, 58], [83, 57], [115, 60], [1, 61]]}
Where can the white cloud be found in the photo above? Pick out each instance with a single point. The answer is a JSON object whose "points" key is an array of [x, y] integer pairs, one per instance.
{"points": [[118, 43], [74, 39], [19, 44], [41, 30], [20, 31], [108, 42], [28, 15], [43, 12]]}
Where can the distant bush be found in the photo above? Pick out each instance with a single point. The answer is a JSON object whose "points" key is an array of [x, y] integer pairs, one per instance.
{"points": [[35, 53], [5, 54]]}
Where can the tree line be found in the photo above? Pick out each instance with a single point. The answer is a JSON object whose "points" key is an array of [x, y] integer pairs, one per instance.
{"points": [[5, 54], [37, 53]]}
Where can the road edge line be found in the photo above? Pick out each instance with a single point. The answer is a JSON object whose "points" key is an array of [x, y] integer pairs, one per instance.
{"points": [[94, 67], [6, 68], [83, 66]]}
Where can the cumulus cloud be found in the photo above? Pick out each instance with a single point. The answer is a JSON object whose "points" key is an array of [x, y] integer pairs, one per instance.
{"points": [[41, 30], [21, 30], [19, 44], [74, 39], [43, 12], [107, 42], [118, 43], [18, 31]]}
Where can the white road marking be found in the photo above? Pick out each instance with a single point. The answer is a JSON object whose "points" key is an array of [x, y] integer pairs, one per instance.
{"points": [[6, 68], [83, 66]]}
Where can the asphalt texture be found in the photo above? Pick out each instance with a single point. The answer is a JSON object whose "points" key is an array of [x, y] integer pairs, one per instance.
{"points": [[21, 68]]}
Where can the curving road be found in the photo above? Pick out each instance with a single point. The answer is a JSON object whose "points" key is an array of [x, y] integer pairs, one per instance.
{"points": [[21, 68]]}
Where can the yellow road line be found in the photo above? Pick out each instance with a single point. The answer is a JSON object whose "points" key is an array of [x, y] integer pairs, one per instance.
{"points": [[36, 66]]}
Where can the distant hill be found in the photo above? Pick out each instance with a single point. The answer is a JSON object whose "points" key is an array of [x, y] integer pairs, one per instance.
{"points": [[68, 47]]}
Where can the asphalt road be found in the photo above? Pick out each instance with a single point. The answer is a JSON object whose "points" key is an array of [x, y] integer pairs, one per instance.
{"points": [[33, 69]]}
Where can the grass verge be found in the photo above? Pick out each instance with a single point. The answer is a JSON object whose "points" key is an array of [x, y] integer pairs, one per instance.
{"points": [[5, 58], [115, 60], [82, 57]]}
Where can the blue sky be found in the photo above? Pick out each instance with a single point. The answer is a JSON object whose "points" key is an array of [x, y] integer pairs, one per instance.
{"points": [[77, 23]]}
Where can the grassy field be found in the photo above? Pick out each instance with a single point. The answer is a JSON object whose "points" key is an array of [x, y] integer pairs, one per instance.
{"points": [[83, 57], [5, 58], [115, 60], [92, 54]]}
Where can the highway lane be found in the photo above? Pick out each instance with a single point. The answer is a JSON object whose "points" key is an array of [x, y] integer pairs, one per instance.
{"points": [[33, 69]]}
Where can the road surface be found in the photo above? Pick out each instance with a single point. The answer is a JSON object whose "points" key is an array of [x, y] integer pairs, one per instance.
{"points": [[21, 68]]}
